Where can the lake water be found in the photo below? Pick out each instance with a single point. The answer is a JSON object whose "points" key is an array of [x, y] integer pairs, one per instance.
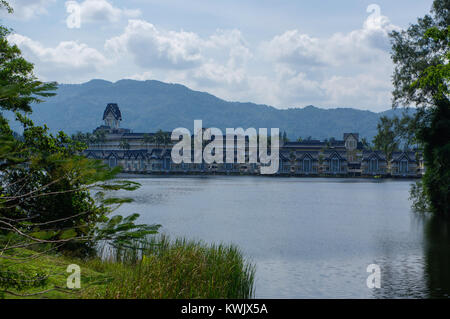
{"points": [[309, 237]]}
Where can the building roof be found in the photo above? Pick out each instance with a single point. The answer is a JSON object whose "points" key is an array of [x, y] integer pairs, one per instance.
{"points": [[300, 155], [398, 156], [355, 135], [373, 154], [329, 154], [114, 109]]}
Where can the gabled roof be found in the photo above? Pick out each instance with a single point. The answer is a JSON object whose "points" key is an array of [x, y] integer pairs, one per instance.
{"points": [[355, 135], [285, 157], [398, 156], [301, 155], [114, 109], [94, 154], [135, 154], [373, 154], [329, 154]]}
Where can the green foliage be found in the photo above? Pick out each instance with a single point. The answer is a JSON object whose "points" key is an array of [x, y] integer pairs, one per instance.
{"points": [[19, 88], [164, 268], [386, 139], [21, 280], [419, 198], [52, 189], [124, 144], [153, 268], [421, 57], [393, 134], [50, 195], [5, 4]]}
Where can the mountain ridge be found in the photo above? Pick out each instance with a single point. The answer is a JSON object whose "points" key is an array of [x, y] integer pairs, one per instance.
{"points": [[150, 105]]}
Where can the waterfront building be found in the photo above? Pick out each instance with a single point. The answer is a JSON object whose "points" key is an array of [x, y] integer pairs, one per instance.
{"points": [[151, 153], [404, 164], [374, 163]]}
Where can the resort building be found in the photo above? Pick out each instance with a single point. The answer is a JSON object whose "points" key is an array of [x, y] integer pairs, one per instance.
{"points": [[151, 153]]}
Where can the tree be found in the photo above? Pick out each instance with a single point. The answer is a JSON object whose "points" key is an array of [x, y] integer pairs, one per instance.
{"points": [[166, 139], [124, 144], [5, 4], [386, 139], [47, 192], [98, 138], [19, 88], [51, 197], [366, 143], [421, 75], [285, 138], [159, 138], [148, 139]]}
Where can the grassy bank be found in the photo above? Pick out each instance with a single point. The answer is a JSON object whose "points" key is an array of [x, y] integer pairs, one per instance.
{"points": [[158, 268]]}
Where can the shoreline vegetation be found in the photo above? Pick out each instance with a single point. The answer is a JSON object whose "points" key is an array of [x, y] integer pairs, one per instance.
{"points": [[155, 268]]}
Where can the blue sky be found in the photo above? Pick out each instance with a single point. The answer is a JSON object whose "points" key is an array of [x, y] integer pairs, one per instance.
{"points": [[283, 53]]}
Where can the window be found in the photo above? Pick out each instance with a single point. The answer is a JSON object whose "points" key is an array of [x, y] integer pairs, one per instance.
{"points": [[373, 165], [335, 165], [351, 144], [404, 166], [307, 165], [166, 163]]}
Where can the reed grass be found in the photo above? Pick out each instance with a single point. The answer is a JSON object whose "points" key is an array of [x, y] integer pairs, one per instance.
{"points": [[161, 268]]}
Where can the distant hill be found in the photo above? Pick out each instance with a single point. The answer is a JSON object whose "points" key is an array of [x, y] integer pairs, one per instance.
{"points": [[151, 105]]}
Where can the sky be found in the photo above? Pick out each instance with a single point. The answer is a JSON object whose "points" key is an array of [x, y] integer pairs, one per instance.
{"points": [[281, 53]]}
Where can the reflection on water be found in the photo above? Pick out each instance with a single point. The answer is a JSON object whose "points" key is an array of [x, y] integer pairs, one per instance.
{"points": [[309, 237], [437, 257], [422, 275]]}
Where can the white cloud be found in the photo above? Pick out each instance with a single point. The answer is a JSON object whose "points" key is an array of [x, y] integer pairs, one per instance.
{"points": [[151, 47], [363, 90], [344, 69], [26, 9], [103, 11], [370, 43], [292, 69], [55, 63], [147, 75]]}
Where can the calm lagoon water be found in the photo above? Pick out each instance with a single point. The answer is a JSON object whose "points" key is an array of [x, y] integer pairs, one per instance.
{"points": [[309, 237]]}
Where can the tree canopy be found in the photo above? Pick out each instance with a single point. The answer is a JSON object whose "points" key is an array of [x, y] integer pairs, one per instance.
{"points": [[421, 56]]}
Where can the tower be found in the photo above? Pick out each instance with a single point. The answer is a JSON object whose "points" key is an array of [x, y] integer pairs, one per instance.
{"points": [[112, 116]]}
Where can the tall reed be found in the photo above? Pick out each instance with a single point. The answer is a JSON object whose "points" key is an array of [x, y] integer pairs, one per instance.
{"points": [[160, 267]]}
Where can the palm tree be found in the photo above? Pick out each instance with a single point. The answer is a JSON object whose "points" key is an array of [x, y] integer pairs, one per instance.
{"points": [[124, 144], [366, 143], [166, 139], [159, 138], [148, 139], [100, 137]]}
